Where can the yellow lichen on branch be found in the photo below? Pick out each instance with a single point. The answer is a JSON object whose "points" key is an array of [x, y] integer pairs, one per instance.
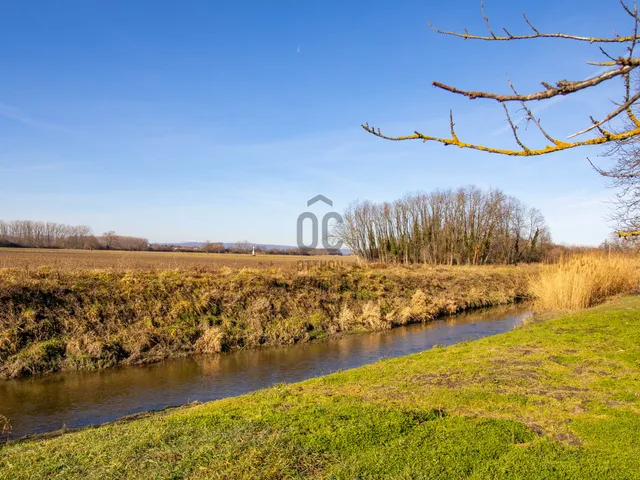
{"points": [[623, 66], [525, 152]]}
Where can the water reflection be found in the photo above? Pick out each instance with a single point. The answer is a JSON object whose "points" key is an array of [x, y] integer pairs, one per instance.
{"points": [[76, 399]]}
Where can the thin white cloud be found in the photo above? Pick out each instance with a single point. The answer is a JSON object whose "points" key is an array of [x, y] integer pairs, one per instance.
{"points": [[31, 168], [36, 167], [17, 115]]}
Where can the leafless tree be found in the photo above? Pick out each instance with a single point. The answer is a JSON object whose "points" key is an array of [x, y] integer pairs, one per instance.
{"points": [[464, 226], [243, 246], [109, 240], [91, 243], [618, 67], [131, 243], [27, 233], [210, 247], [624, 176], [618, 244]]}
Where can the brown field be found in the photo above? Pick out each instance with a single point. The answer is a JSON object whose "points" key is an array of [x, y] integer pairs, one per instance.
{"points": [[84, 259]]}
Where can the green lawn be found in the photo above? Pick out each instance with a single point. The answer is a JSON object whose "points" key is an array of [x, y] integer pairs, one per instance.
{"points": [[555, 399]]}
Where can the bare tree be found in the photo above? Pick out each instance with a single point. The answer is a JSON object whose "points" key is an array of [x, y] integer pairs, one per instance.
{"points": [[28, 233], [243, 246], [624, 244], [464, 226], [624, 176], [130, 243], [618, 67], [91, 243], [110, 240], [210, 247]]}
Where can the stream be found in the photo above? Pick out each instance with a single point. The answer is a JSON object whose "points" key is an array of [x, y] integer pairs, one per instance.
{"points": [[76, 399]]}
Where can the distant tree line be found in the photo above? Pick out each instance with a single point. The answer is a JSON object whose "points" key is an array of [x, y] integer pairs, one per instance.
{"points": [[247, 247], [27, 233], [240, 247], [111, 241], [467, 226], [31, 234]]}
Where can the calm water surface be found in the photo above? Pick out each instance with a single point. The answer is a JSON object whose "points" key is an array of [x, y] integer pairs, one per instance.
{"points": [[76, 399]]}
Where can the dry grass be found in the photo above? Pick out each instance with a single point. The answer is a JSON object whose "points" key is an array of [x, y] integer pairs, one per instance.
{"points": [[62, 318], [34, 258], [585, 280]]}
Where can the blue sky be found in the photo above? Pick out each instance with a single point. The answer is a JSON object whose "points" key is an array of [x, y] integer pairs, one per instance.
{"points": [[216, 121]]}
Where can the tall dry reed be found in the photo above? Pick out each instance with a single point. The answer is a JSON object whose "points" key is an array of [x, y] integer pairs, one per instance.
{"points": [[585, 280]]}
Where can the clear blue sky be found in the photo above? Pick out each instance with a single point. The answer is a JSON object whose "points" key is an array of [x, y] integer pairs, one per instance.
{"points": [[212, 120]]}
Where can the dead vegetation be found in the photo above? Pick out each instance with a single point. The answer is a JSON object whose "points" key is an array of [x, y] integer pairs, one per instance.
{"points": [[34, 258], [585, 280], [53, 319]]}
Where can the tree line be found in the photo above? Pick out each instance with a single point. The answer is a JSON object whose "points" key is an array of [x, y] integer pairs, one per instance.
{"points": [[467, 226], [246, 247], [33, 234]]}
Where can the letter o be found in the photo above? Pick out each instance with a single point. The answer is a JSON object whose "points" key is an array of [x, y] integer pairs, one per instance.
{"points": [[314, 233], [325, 230]]}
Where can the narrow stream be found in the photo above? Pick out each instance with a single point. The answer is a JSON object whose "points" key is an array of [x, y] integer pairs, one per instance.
{"points": [[76, 399]]}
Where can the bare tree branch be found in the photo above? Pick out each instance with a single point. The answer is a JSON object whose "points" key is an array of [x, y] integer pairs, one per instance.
{"points": [[514, 129], [486, 21], [451, 125], [633, 14], [528, 153], [621, 67], [536, 33], [563, 87], [624, 107], [532, 118]]}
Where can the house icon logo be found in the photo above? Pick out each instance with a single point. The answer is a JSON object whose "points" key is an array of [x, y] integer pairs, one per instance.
{"points": [[319, 198], [326, 244]]}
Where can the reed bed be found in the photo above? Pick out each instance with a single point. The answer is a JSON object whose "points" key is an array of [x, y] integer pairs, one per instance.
{"points": [[585, 280]]}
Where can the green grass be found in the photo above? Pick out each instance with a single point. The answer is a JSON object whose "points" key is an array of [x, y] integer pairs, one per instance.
{"points": [[558, 398]]}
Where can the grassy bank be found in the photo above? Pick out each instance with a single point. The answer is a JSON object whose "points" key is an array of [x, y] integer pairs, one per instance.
{"points": [[554, 399], [55, 319]]}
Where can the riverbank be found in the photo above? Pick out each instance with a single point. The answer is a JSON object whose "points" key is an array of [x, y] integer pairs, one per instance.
{"points": [[76, 399], [558, 398], [59, 319]]}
